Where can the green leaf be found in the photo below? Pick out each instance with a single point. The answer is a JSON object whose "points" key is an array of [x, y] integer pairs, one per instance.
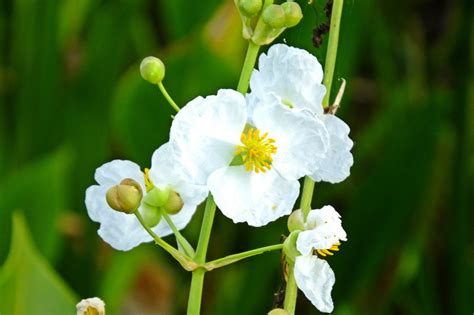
{"points": [[28, 285]]}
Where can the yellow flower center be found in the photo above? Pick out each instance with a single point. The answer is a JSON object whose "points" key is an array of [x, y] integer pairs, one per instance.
{"points": [[148, 183], [325, 252], [256, 150]]}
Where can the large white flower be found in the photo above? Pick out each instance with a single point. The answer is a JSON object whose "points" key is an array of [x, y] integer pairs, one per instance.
{"points": [[294, 76], [250, 169], [123, 231], [323, 232]]}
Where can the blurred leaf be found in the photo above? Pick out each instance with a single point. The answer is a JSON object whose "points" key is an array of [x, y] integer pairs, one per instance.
{"points": [[28, 285], [40, 189], [72, 17]]}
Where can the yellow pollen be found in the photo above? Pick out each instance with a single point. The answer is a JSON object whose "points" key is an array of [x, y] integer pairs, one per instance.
{"points": [[256, 150], [148, 183], [326, 252]]}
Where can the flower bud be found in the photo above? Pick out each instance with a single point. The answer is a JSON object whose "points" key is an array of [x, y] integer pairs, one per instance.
{"points": [[274, 16], [125, 197], [293, 14], [278, 311], [250, 8], [91, 306], [152, 70], [289, 248], [151, 215], [174, 203], [296, 221], [157, 197]]}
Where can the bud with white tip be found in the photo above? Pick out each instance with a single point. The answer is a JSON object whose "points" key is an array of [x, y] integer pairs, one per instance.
{"points": [[91, 306]]}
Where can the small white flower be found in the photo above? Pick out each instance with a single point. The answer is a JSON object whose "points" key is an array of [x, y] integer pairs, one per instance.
{"points": [[123, 231], [315, 278], [91, 306], [276, 147], [323, 231], [294, 76]]}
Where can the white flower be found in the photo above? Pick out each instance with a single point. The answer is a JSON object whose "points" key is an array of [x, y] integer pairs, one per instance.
{"points": [[123, 231], [323, 231], [315, 278], [294, 76], [275, 150], [91, 306]]}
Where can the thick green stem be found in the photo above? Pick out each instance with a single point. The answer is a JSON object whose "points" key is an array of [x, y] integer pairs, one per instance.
{"points": [[308, 186], [227, 260], [168, 97], [291, 292], [250, 59]]}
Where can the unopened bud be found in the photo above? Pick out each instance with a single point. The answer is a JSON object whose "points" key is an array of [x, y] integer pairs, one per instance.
{"points": [[125, 197], [92, 306], [289, 248], [296, 221], [278, 311], [152, 70], [174, 203], [293, 14], [274, 16], [250, 8], [157, 197], [151, 215]]}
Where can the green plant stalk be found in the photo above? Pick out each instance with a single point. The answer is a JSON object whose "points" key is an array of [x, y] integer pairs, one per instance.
{"points": [[168, 97], [197, 280], [185, 261], [182, 241], [230, 259], [291, 291]]}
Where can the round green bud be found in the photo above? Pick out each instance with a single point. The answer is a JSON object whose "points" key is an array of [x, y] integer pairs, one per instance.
{"points": [[293, 13], [151, 215], [174, 203], [289, 248], [278, 311], [152, 70], [125, 197], [296, 221], [157, 197], [274, 16], [250, 8]]}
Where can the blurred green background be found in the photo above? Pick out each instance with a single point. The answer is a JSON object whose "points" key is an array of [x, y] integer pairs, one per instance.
{"points": [[71, 98]]}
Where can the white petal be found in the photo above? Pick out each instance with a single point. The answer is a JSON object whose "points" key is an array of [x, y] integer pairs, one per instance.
{"points": [[315, 278], [204, 133], [301, 138], [335, 167], [323, 230], [292, 74], [255, 198], [113, 172]]}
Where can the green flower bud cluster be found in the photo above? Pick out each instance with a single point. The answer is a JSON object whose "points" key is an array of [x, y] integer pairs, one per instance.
{"points": [[125, 197], [158, 201], [263, 21]]}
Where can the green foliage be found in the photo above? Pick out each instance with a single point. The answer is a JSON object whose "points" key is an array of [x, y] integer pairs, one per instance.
{"points": [[28, 285]]}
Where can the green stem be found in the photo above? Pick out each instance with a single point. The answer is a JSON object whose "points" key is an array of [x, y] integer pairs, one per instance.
{"points": [[291, 293], [249, 63], [308, 186], [185, 261], [168, 97], [331, 53], [230, 259], [197, 280], [182, 241]]}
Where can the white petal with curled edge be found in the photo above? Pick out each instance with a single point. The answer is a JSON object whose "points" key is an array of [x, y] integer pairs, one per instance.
{"points": [[255, 198], [292, 74], [315, 278], [323, 230], [300, 137], [335, 167], [122, 231], [205, 132]]}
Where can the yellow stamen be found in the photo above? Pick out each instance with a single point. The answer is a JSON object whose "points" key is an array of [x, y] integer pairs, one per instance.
{"points": [[325, 252], [256, 150], [148, 182]]}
